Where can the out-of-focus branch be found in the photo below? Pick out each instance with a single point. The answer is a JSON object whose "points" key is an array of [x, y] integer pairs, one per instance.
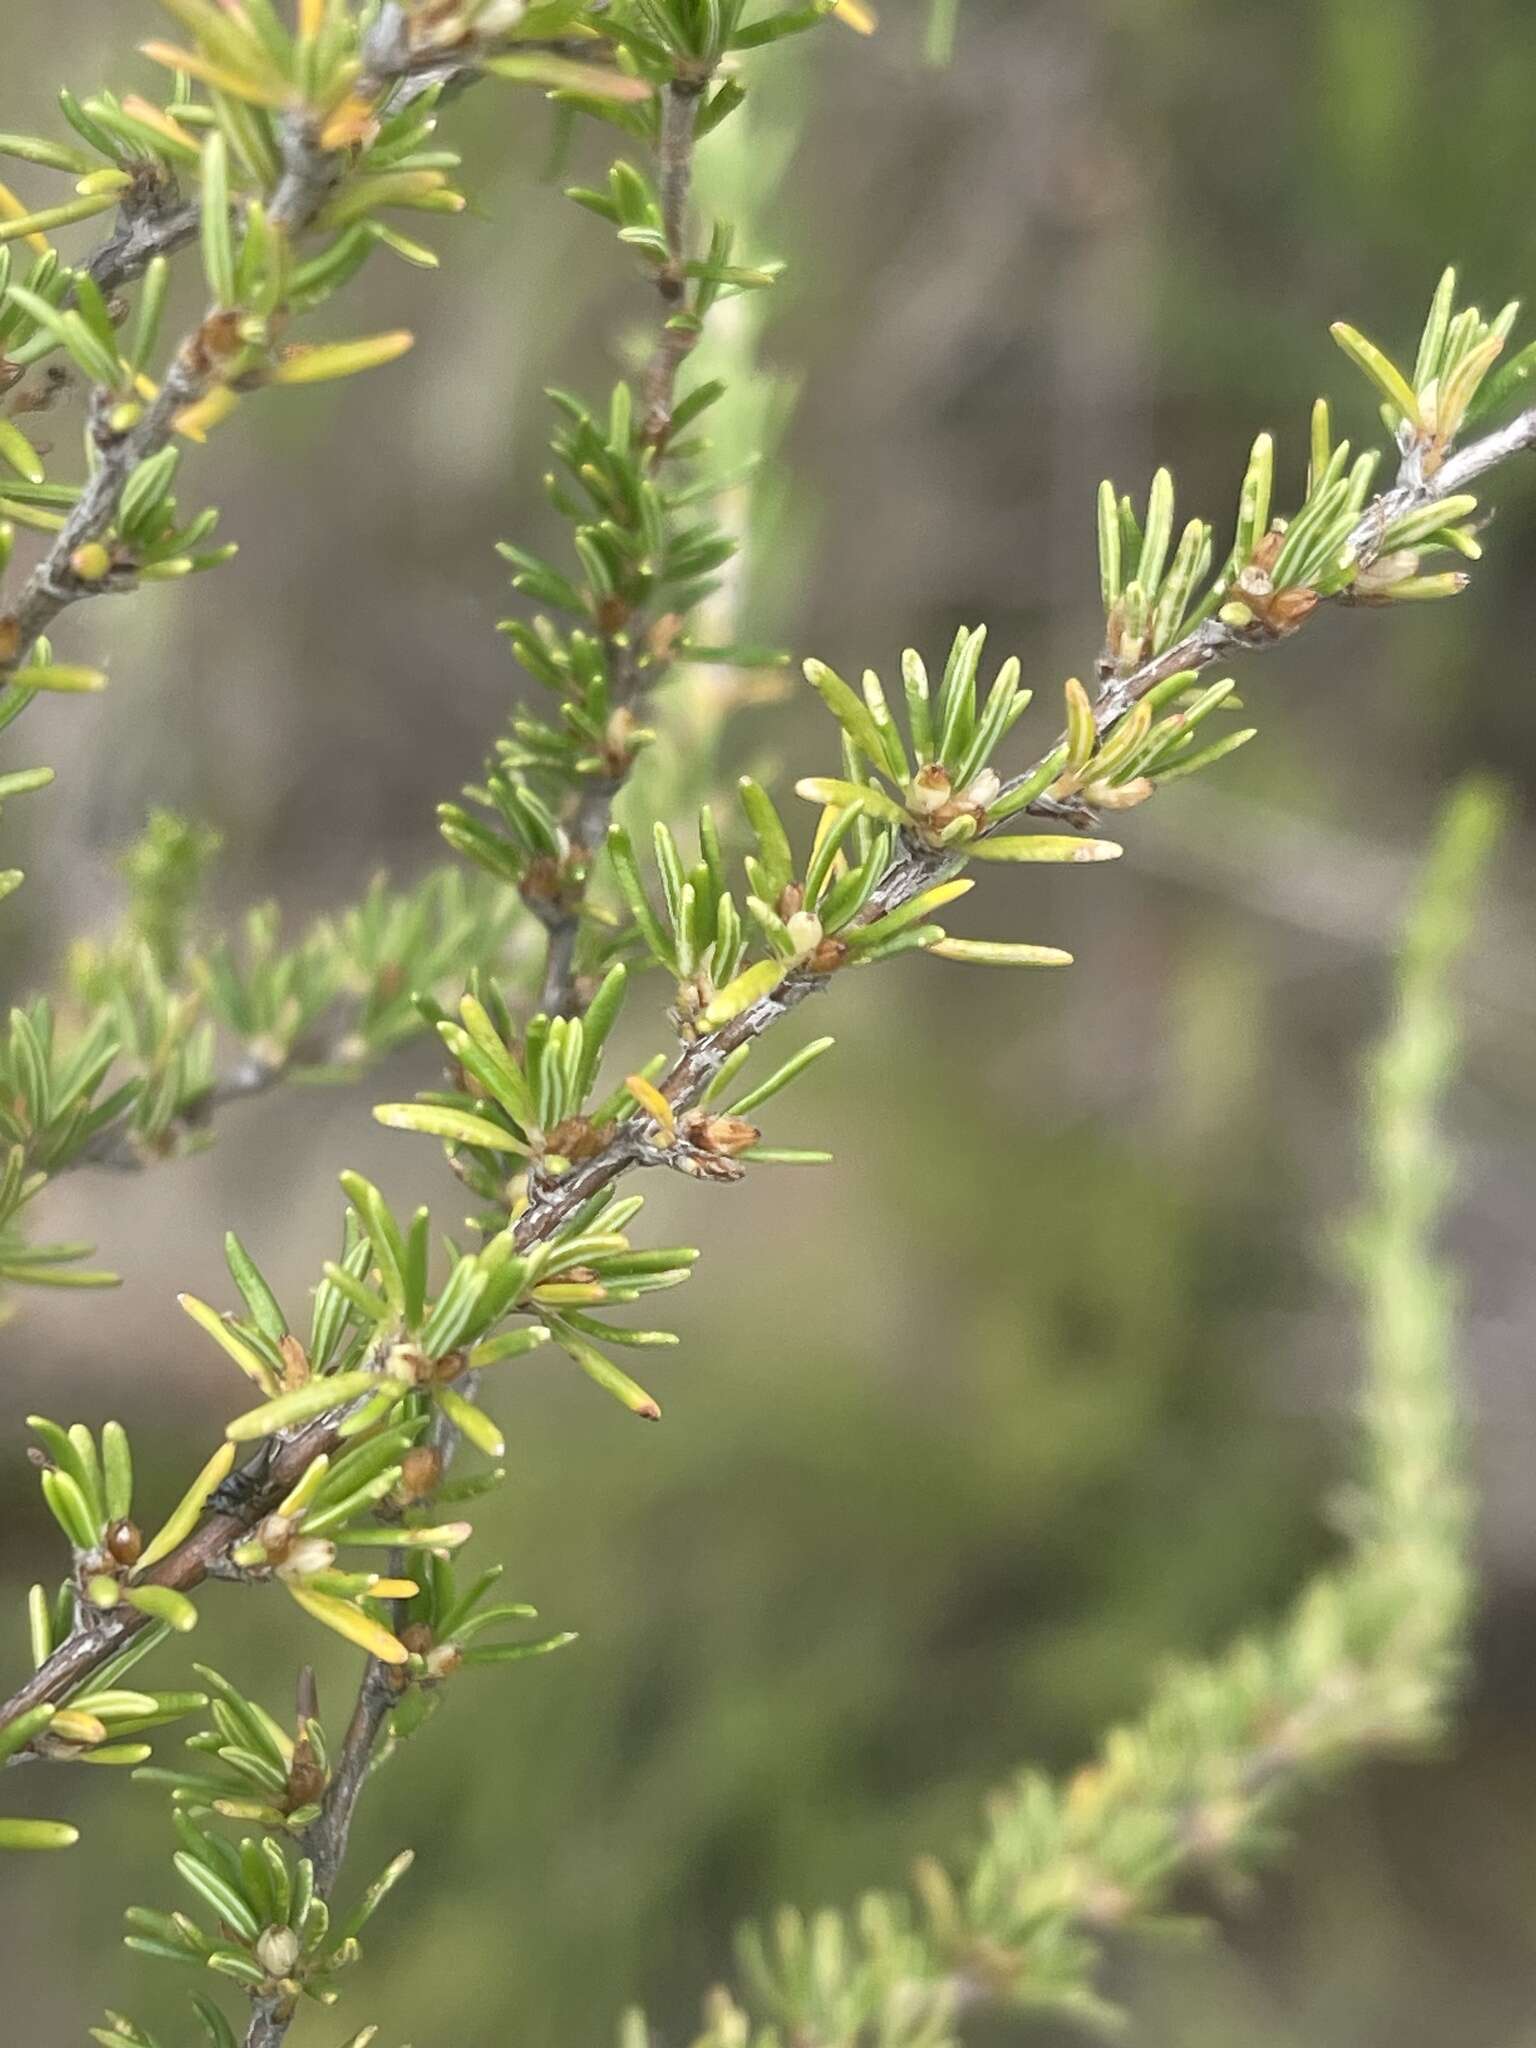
{"points": [[1366, 1663]]}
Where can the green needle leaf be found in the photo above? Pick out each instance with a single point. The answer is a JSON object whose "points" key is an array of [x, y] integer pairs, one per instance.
{"points": [[37, 1834], [303, 1404], [184, 1516], [1050, 847]]}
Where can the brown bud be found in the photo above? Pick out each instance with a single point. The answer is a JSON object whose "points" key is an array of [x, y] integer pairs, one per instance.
{"points": [[729, 1135], [444, 1661], [420, 1471], [295, 1362], [1288, 608], [612, 615], [708, 1166], [791, 900], [828, 957], [664, 635], [219, 337], [417, 1638], [542, 880], [306, 1780], [576, 1138], [1267, 552], [450, 1367], [125, 1543]]}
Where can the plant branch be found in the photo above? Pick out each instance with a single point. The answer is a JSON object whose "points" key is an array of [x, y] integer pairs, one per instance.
{"points": [[250, 1075], [157, 222], [587, 821], [916, 868], [552, 1202], [326, 1840], [154, 221], [309, 172], [1214, 639], [1366, 1661], [251, 1493]]}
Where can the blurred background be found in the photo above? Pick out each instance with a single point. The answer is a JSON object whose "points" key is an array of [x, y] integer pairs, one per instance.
{"points": [[1049, 1377]]}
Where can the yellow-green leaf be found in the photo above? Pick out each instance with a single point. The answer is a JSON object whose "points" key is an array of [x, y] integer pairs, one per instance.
{"points": [[183, 1517], [250, 1362], [351, 1622], [1381, 370], [1045, 846], [19, 452], [164, 1603], [457, 1126], [994, 953], [61, 676], [326, 360], [37, 1834], [303, 1404], [738, 995], [471, 1422], [568, 74]]}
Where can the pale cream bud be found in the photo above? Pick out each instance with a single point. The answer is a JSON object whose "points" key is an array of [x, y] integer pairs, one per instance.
{"points": [[405, 1362], [805, 930], [277, 1951], [309, 1555], [929, 792]]}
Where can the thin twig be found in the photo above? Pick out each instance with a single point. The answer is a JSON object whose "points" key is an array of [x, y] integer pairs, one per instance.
{"points": [[325, 1840], [587, 821]]}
